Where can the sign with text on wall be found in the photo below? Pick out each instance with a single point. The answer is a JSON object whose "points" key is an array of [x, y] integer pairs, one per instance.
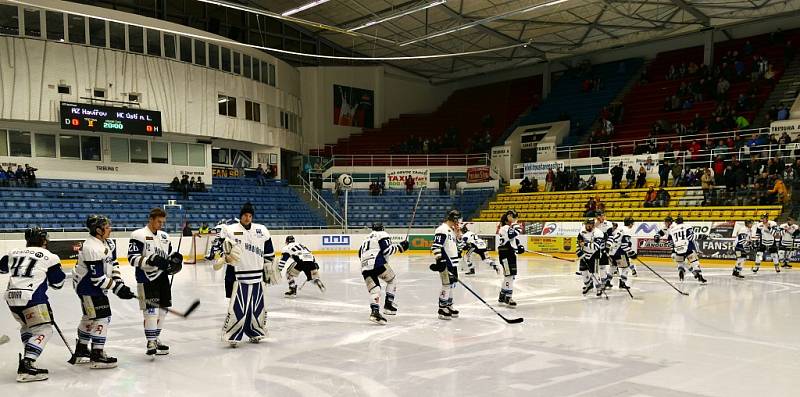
{"points": [[396, 178], [115, 120]]}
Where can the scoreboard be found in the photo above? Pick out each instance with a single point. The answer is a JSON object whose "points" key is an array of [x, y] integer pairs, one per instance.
{"points": [[115, 120]]}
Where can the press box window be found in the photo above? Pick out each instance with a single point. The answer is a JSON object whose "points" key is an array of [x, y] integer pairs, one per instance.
{"points": [[33, 25], [55, 25], [45, 145], [77, 29], [19, 143], [9, 20], [160, 152], [97, 32], [116, 33], [227, 105], [69, 146], [90, 148], [252, 111]]}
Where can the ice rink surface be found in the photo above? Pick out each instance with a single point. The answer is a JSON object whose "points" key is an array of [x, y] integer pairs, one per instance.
{"points": [[728, 338]]}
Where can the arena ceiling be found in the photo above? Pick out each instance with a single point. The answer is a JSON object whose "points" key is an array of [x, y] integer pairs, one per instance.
{"points": [[539, 29]]}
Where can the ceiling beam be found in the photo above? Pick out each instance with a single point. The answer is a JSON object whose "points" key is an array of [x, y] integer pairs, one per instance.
{"points": [[697, 14]]}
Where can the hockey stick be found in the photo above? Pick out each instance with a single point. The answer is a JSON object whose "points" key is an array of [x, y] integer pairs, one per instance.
{"points": [[72, 358], [659, 276], [414, 213], [507, 320], [180, 240], [550, 256], [184, 314], [4, 339]]}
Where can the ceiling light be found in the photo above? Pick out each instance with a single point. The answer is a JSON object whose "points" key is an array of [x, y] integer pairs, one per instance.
{"points": [[304, 7], [399, 14], [483, 21]]}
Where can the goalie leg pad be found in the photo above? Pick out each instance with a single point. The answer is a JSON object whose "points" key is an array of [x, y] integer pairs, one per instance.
{"points": [[246, 313]]}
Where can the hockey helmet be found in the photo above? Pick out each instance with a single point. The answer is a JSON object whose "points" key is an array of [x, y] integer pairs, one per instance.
{"points": [[94, 222], [679, 219], [454, 216], [35, 236], [589, 221], [504, 217], [377, 226], [247, 208], [289, 239], [764, 216], [748, 222], [599, 213], [628, 221], [668, 219]]}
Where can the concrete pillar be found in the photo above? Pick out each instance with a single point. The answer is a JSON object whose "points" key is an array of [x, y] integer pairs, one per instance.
{"points": [[546, 81], [708, 47]]}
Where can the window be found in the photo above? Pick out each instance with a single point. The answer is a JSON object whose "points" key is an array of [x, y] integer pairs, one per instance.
{"points": [[9, 20], [33, 23], [45, 145], [213, 56], [186, 49], [237, 67], [153, 42], [136, 39], [256, 68], [226, 59], [247, 67], [272, 80], [116, 32], [19, 143], [200, 53], [3, 143], [55, 25], [252, 111], [90, 148], [227, 105], [139, 152], [220, 156], [76, 26], [99, 92], [179, 155], [119, 150], [264, 72], [97, 32], [160, 152], [197, 155], [169, 45], [69, 146]]}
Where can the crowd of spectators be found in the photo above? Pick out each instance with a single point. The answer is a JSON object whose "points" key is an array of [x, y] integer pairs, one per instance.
{"points": [[186, 185], [18, 177]]}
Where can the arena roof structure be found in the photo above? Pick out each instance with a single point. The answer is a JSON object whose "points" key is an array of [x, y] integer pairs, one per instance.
{"points": [[525, 31]]}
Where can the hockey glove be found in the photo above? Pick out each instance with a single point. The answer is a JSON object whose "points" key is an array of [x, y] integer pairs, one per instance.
{"points": [[440, 265], [633, 255], [231, 250], [160, 262], [520, 250], [122, 291], [657, 238], [404, 245]]}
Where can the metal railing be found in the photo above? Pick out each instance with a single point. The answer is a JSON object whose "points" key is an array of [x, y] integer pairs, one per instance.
{"points": [[317, 198], [408, 160]]}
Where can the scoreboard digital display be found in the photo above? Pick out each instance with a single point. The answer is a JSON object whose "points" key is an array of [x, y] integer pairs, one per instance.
{"points": [[87, 117]]}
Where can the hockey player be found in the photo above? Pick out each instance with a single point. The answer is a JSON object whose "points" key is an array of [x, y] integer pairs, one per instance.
{"points": [[590, 243], [95, 273], [33, 269], [604, 226], [475, 245], [217, 250], [445, 249], [765, 233], [150, 253], [621, 251], [300, 259], [683, 239], [374, 255], [788, 232], [247, 248], [508, 247], [744, 239]]}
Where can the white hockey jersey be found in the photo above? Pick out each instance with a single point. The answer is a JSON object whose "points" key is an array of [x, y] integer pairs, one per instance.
{"points": [[471, 239], [682, 238], [93, 274], [765, 233], [256, 245], [787, 232], [143, 246], [605, 227], [508, 237], [32, 270], [295, 253], [590, 242], [445, 245], [744, 238], [376, 249]]}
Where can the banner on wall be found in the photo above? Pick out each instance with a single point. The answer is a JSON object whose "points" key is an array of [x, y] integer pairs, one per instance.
{"points": [[396, 178], [790, 127], [539, 169], [420, 242], [353, 107], [545, 151], [66, 249], [648, 161], [552, 244], [478, 174], [221, 172]]}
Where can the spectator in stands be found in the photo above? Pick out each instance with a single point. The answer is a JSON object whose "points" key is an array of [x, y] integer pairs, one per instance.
{"points": [[641, 178], [185, 186], [662, 198], [261, 176], [175, 185], [192, 185], [783, 112], [20, 175], [677, 173], [410, 184], [3, 177], [200, 186], [591, 183], [30, 175], [271, 172], [719, 170], [525, 185], [382, 186], [591, 207], [630, 176], [616, 176], [729, 179], [12, 178], [707, 183], [741, 122], [187, 229], [663, 174], [549, 179], [721, 149], [723, 86], [574, 180], [650, 198], [374, 190], [442, 185], [779, 193], [453, 187], [204, 229]]}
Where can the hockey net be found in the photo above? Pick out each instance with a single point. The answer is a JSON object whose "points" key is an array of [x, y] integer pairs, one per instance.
{"points": [[201, 245]]}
